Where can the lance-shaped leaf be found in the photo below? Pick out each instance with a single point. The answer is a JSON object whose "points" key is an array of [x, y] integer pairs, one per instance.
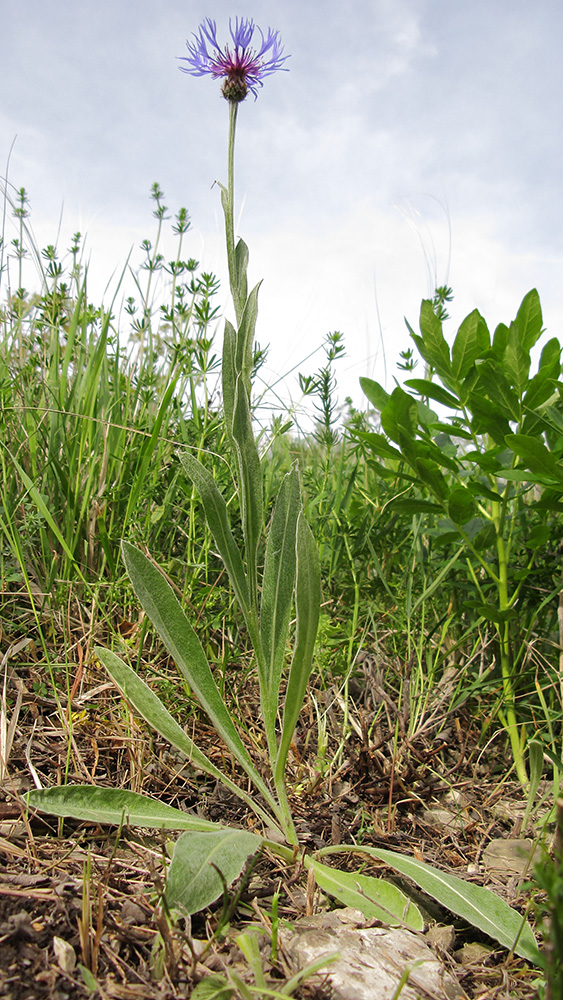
{"points": [[193, 880], [516, 360], [149, 706], [414, 506], [399, 420], [493, 383], [228, 375], [529, 319], [429, 389], [245, 339], [374, 897], [277, 589], [379, 444], [487, 418], [307, 609], [471, 342], [431, 476], [241, 266], [479, 906], [113, 806], [536, 457], [432, 344], [376, 394], [250, 484], [217, 517], [165, 612]]}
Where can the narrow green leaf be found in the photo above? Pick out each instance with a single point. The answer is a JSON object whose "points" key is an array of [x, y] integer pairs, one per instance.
{"points": [[113, 806], [245, 339], [399, 419], [535, 456], [494, 384], [149, 706], [453, 430], [471, 342], [431, 344], [376, 394], [430, 451], [437, 581], [379, 445], [480, 489], [307, 609], [433, 391], [487, 460], [516, 360], [431, 476], [165, 612], [479, 906], [500, 340], [228, 375], [490, 612], [193, 882], [374, 897], [529, 319], [43, 509], [278, 585], [241, 266], [487, 418], [148, 450], [416, 506], [217, 517], [251, 484], [540, 390]]}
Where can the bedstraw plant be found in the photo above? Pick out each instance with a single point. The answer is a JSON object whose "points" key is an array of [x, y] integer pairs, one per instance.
{"points": [[275, 577]]}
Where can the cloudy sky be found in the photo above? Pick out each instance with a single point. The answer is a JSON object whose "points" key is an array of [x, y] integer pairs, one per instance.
{"points": [[412, 143]]}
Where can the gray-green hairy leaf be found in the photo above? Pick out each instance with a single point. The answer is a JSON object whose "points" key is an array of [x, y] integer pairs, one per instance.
{"points": [[193, 882], [278, 585], [113, 806], [479, 906], [374, 897], [164, 610]]}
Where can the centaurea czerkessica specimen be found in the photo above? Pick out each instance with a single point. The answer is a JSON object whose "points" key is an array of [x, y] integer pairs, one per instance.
{"points": [[275, 576], [244, 66]]}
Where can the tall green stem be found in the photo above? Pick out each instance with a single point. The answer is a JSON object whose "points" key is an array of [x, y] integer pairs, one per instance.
{"points": [[229, 207]]}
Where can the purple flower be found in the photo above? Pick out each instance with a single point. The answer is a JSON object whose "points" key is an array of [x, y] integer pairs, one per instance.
{"points": [[243, 68]]}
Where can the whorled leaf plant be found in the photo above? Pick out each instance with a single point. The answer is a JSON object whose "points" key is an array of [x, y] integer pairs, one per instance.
{"points": [[207, 855]]}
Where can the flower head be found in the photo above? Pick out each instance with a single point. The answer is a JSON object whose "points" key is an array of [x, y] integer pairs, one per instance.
{"points": [[243, 68]]}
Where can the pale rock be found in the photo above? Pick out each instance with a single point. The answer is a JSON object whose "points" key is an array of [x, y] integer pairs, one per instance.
{"points": [[371, 959]]}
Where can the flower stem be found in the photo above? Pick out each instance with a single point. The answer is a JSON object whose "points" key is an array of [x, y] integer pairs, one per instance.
{"points": [[229, 206]]}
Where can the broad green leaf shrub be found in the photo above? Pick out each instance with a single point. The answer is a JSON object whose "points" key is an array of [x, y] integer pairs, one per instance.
{"points": [[476, 448]]}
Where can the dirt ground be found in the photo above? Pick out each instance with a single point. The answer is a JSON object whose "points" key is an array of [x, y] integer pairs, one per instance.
{"points": [[81, 909]]}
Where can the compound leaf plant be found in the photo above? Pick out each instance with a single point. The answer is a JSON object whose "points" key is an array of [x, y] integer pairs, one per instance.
{"points": [[207, 855]]}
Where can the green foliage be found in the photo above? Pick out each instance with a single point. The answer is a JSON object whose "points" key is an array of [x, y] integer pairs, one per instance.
{"points": [[548, 875], [274, 569], [480, 907], [485, 469], [193, 880], [378, 899], [91, 420]]}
